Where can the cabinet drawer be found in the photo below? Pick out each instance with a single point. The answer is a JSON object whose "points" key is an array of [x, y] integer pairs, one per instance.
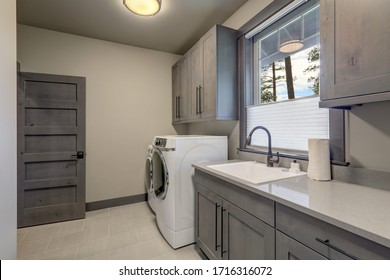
{"points": [[257, 205], [290, 249], [326, 239]]}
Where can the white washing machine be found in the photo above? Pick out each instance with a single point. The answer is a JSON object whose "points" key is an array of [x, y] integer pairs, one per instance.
{"points": [[149, 178], [173, 186]]}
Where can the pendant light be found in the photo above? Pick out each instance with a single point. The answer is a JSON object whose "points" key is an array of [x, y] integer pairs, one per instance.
{"points": [[290, 46], [290, 36], [143, 7]]}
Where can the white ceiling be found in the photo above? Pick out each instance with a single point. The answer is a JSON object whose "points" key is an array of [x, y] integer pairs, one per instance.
{"points": [[175, 29]]}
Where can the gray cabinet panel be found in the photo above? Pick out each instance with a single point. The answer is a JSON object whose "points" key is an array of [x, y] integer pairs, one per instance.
{"points": [[326, 239], [257, 205], [212, 78], [225, 231], [208, 222], [354, 52], [246, 237], [290, 249], [180, 90]]}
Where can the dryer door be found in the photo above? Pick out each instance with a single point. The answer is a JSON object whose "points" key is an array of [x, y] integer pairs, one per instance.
{"points": [[149, 174], [160, 174]]}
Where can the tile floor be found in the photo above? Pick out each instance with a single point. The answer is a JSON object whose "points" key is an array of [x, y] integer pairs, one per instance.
{"points": [[119, 233]]}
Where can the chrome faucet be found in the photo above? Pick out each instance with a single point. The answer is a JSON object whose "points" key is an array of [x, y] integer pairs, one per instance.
{"points": [[270, 159]]}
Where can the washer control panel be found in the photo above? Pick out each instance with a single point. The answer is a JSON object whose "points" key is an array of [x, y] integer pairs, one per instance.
{"points": [[160, 142]]}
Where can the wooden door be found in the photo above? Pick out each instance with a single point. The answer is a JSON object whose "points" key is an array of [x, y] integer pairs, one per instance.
{"points": [[51, 148], [246, 237]]}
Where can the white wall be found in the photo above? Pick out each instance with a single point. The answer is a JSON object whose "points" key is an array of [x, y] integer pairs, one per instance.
{"points": [[128, 92], [8, 129]]}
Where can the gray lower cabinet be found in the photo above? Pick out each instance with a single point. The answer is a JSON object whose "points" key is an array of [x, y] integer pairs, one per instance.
{"points": [[290, 249], [225, 231], [232, 222], [326, 239], [244, 236], [208, 222]]}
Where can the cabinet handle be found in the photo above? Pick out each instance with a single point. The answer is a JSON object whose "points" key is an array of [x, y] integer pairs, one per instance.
{"points": [[200, 100], [224, 246], [216, 223], [197, 100], [327, 243], [178, 107]]}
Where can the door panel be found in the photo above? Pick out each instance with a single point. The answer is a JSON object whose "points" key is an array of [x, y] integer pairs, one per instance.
{"points": [[208, 222], [51, 130], [246, 237]]}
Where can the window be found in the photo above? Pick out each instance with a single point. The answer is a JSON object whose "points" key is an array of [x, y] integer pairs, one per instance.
{"points": [[286, 68], [282, 74]]}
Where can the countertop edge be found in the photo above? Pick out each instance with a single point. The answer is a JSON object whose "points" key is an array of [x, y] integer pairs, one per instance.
{"points": [[331, 220]]}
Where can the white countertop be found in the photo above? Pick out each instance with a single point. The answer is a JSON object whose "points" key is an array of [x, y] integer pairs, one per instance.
{"points": [[362, 210]]}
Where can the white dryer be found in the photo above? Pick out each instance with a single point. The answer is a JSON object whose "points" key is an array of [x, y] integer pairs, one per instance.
{"points": [[149, 178], [173, 186]]}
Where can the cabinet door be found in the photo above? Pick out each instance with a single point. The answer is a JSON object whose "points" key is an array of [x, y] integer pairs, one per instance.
{"points": [[180, 90], [289, 249], [208, 92], [196, 74], [208, 222], [175, 92], [355, 55], [184, 90], [246, 237]]}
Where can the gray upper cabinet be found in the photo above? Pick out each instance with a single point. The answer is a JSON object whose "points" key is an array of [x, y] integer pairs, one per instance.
{"points": [[355, 57], [212, 78], [180, 90]]}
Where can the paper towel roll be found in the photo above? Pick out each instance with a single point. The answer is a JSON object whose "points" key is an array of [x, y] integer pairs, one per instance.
{"points": [[319, 160]]}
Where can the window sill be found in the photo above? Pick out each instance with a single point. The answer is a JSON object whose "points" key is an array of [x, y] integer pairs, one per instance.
{"points": [[289, 155], [281, 154]]}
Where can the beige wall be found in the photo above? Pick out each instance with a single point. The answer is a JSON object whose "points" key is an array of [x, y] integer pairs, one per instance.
{"points": [[128, 93], [368, 136], [8, 129]]}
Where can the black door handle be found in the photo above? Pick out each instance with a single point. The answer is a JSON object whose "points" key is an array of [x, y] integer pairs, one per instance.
{"points": [[79, 155]]}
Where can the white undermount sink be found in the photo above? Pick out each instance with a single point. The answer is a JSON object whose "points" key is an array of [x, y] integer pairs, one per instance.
{"points": [[254, 172]]}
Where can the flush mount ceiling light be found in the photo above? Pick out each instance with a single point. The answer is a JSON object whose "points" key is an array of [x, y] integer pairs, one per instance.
{"points": [[143, 7]]}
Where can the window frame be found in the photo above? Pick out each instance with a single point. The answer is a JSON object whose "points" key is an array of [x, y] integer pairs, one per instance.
{"points": [[246, 88]]}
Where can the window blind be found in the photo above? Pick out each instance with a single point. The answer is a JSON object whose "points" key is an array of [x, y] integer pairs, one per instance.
{"points": [[291, 123]]}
